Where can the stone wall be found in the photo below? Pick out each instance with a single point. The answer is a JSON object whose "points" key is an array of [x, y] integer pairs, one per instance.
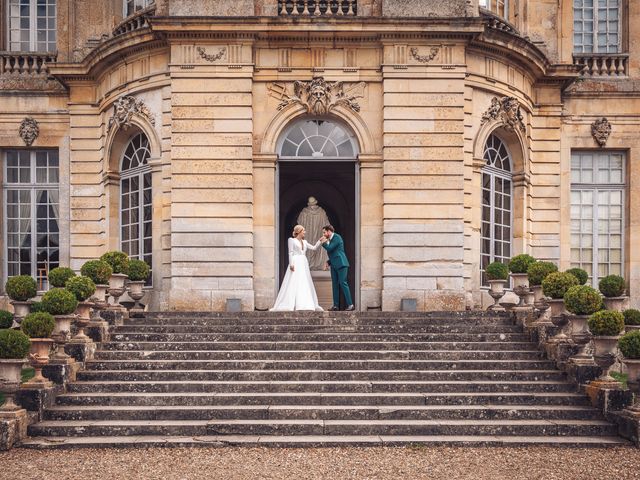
{"points": [[429, 8]]}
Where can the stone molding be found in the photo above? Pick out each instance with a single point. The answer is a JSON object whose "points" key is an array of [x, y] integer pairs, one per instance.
{"points": [[507, 111], [601, 131], [124, 110], [29, 131], [211, 58], [318, 96]]}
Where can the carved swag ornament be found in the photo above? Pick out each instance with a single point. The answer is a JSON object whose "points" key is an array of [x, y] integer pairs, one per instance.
{"points": [[29, 131], [318, 96], [124, 109], [601, 130], [507, 111]]}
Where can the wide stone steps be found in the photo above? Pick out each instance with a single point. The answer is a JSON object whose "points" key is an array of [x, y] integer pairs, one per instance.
{"points": [[320, 379]]}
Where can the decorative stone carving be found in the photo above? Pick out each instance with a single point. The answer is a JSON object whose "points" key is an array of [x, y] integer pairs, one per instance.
{"points": [[507, 111], [124, 109], [424, 58], [601, 130], [211, 58], [29, 131], [318, 96]]}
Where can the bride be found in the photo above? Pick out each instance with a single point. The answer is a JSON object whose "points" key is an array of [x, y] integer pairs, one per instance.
{"points": [[297, 291]]}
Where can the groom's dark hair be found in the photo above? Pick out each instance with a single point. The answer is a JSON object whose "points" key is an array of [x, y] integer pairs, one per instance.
{"points": [[329, 228]]}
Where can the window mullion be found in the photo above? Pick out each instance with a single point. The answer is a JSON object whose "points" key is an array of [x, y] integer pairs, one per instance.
{"points": [[595, 239], [492, 218], [141, 215]]}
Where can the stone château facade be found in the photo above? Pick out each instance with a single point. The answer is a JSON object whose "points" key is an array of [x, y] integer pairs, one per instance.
{"points": [[438, 136]]}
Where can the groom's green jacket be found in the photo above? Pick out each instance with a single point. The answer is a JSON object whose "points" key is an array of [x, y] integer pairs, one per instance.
{"points": [[335, 250]]}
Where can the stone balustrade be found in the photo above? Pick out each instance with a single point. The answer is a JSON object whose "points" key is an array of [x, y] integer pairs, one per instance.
{"points": [[134, 22], [602, 64], [25, 63], [496, 22], [325, 8]]}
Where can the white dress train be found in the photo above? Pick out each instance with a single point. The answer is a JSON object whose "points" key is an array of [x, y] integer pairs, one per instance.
{"points": [[297, 291]]}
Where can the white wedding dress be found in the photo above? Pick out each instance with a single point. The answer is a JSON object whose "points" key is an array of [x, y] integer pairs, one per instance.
{"points": [[297, 291]]}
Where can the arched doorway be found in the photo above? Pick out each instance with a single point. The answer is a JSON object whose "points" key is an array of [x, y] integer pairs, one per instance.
{"points": [[318, 158]]}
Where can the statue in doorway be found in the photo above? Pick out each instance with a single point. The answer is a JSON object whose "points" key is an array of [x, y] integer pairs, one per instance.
{"points": [[313, 217]]}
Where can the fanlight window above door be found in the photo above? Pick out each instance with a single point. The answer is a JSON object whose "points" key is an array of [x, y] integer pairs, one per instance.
{"points": [[318, 139]]}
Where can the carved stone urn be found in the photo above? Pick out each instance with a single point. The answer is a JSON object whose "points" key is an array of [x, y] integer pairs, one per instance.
{"points": [[496, 290], [10, 376], [117, 288], [39, 358], [61, 335], [633, 373], [83, 317], [605, 356], [20, 310], [581, 336], [614, 303]]}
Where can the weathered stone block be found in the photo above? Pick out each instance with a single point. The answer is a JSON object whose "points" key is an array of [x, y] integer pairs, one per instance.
{"points": [[185, 8]]}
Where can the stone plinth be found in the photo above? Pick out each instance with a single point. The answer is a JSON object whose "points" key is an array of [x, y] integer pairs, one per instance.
{"points": [[80, 351], [13, 428], [36, 400], [63, 372]]}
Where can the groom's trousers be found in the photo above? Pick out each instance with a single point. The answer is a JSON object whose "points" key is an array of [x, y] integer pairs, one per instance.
{"points": [[339, 282]]}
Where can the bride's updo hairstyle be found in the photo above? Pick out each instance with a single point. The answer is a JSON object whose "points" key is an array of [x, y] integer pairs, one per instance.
{"points": [[296, 230]]}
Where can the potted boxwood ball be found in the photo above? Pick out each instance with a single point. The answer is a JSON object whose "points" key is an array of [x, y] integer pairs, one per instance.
{"points": [[138, 275], [14, 347], [39, 327], [518, 266], [606, 326], [629, 346], [99, 272], [497, 276], [82, 287], [60, 303], [21, 289], [580, 274], [58, 276], [6, 319], [581, 301], [536, 273], [119, 262], [613, 287], [631, 319]]}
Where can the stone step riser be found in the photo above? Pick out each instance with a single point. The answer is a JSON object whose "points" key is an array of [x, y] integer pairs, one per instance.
{"points": [[320, 428], [336, 376], [293, 413], [365, 387], [421, 365], [338, 322], [289, 329], [319, 399], [319, 337], [331, 316], [266, 355]]}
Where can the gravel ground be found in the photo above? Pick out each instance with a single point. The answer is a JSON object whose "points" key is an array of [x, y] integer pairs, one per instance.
{"points": [[330, 463]]}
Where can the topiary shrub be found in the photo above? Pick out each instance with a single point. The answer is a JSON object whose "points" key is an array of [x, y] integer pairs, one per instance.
{"points": [[58, 276], [97, 270], [631, 316], [59, 301], [580, 274], [37, 307], [82, 287], [629, 345], [538, 271], [606, 323], [21, 288], [582, 300], [496, 271], [119, 261], [38, 325], [6, 319], [556, 284], [14, 344], [612, 286], [521, 263]]}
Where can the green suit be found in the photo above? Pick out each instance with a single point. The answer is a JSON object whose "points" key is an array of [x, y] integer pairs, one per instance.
{"points": [[339, 269]]}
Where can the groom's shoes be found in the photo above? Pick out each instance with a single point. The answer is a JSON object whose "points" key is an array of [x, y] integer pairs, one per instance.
{"points": [[334, 309], [351, 308]]}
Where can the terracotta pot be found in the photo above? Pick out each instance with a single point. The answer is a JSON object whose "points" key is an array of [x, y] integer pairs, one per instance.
{"points": [[520, 280], [615, 303]]}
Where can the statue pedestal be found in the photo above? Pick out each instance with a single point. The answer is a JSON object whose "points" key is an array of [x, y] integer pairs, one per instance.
{"points": [[322, 282]]}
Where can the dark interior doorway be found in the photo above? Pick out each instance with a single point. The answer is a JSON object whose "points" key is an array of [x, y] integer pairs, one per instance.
{"points": [[333, 184]]}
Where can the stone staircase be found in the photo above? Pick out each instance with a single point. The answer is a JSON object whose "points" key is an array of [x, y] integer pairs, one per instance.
{"points": [[320, 379]]}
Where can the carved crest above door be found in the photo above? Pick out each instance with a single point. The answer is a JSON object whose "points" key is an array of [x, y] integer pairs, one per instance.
{"points": [[318, 96]]}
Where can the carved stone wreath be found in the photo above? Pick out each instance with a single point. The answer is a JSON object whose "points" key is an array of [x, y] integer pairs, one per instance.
{"points": [[601, 130], [424, 58], [211, 58], [124, 109], [318, 96], [507, 111], [29, 131]]}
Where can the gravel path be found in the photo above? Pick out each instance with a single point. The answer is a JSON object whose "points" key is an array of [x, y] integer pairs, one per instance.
{"points": [[330, 463]]}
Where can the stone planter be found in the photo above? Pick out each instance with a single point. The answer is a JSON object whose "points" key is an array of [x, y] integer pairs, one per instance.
{"points": [[631, 328], [496, 290], [520, 280], [559, 319], [83, 313], [61, 336], [556, 307], [605, 356], [117, 288], [614, 303], [581, 337], [20, 310], [100, 297], [39, 358], [10, 376], [136, 293], [538, 294], [633, 372]]}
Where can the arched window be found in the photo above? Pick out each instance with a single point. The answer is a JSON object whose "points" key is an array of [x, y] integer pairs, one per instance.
{"points": [[318, 139], [135, 200], [497, 204]]}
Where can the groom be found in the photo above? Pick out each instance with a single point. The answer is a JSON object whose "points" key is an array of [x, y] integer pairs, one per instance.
{"points": [[333, 244]]}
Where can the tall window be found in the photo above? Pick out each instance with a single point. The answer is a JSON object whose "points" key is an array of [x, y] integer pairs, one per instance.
{"points": [[496, 204], [499, 7], [597, 206], [596, 26], [136, 200], [31, 202], [32, 25], [132, 6]]}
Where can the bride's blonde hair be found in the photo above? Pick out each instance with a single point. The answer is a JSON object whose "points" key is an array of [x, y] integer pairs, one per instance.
{"points": [[296, 230]]}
